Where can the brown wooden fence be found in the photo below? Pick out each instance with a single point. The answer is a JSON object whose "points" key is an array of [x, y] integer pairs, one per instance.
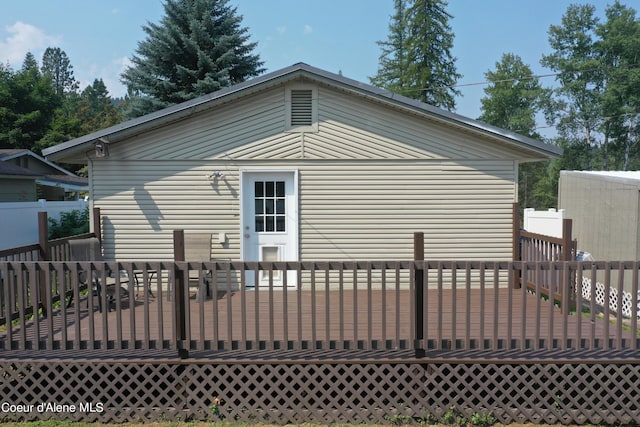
{"points": [[390, 342], [339, 346], [341, 305], [534, 247], [44, 250]]}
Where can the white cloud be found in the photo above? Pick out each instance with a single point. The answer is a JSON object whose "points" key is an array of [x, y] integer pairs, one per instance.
{"points": [[24, 38], [308, 29], [281, 30]]}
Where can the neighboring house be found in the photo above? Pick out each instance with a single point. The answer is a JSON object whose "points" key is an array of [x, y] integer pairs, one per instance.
{"points": [[26, 177], [17, 184], [303, 164], [605, 209]]}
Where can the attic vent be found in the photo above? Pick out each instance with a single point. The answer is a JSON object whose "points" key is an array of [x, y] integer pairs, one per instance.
{"points": [[301, 107]]}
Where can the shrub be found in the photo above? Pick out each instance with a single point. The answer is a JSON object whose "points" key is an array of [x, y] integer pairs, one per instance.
{"points": [[71, 223]]}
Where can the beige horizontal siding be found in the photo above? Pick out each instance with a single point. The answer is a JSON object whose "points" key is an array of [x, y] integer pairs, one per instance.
{"points": [[368, 179], [350, 128], [361, 210], [366, 131], [370, 210]]}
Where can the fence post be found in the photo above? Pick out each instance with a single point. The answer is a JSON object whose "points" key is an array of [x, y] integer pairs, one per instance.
{"points": [[517, 244], [566, 255], [179, 291], [97, 224], [418, 255], [43, 255], [567, 241]]}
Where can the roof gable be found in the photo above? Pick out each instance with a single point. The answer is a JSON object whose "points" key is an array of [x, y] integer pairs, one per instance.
{"points": [[291, 147], [37, 164]]}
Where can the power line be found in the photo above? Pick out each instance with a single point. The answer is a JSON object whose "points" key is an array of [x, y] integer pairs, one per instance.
{"points": [[533, 77]]}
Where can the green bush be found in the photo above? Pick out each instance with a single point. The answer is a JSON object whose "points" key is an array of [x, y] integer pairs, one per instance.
{"points": [[71, 223]]}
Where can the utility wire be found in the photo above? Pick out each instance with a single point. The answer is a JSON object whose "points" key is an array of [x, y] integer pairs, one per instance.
{"points": [[534, 77]]}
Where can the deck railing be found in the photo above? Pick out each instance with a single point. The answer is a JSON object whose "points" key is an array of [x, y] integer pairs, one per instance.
{"points": [[534, 247], [44, 250], [466, 305], [22, 253]]}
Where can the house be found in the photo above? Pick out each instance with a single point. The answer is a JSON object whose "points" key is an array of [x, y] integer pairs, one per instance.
{"points": [[26, 177], [605, 209], [304, 164]]}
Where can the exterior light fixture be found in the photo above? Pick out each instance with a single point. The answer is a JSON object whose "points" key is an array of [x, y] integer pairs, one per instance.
{"points": [[215, 175], [102, 147]]}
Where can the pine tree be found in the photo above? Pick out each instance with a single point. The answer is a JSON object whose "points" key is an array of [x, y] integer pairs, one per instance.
{"points": [[96, 108], [28, 104], [56, 64], [416, 61], [393, 59], [197, 48]]}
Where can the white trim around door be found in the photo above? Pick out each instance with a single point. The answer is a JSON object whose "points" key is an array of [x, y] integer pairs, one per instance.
{"points": [[269, 220]]}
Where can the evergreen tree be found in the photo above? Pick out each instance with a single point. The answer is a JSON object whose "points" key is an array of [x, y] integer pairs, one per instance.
{"points": [[66, 123], [393, 59], [56, 64], [28, 105], [96, 108], [198, 48], [416, 61]]}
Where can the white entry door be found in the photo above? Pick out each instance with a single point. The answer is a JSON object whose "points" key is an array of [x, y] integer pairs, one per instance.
{"points": [[269, 221]]}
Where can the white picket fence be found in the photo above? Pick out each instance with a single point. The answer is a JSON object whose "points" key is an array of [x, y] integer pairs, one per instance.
{"points": [[19, 220]]}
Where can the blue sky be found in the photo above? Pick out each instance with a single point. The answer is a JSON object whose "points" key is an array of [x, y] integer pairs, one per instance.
{"points": [[100, 36]]}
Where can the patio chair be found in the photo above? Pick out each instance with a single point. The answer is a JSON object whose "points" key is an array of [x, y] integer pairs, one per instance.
{"points": [[90, 250], [197, 247]]}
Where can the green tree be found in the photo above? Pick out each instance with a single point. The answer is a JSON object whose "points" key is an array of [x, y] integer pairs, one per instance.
{"points": [[198, 47], [56, 64], [96, 109], [65, 124], [576, 109], [416, 61], [513, 98], [28, 105], [619, 51], [393, 61]]}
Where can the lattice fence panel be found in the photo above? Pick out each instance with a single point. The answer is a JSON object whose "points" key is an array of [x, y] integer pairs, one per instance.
{"points": [[284, 393]]}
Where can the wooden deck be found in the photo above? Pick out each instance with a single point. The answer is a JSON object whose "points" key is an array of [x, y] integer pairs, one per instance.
{"points": [[289, 320]]}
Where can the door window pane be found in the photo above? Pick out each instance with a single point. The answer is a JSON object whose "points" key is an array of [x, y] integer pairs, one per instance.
{"points": [[270, 189], [270, 206], [270, 223], [259, 189]]}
